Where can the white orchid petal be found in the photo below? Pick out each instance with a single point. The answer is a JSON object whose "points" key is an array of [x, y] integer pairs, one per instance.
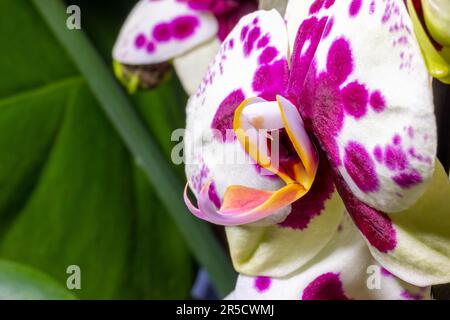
{"points": [[158, 31], [191, 66]]}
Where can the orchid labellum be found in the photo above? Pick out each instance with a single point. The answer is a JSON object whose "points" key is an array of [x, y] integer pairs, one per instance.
{"points": [[342, 89], [187, 32]]}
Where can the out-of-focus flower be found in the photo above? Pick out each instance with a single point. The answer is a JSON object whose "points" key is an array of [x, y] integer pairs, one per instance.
{"points": [[431, 21], [344, 90], [185, 32]]}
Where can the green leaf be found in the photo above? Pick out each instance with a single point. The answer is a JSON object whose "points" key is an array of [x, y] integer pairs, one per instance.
{"points": [[23, 118], [32, 57], [70, 192], [197, 234], [19, 282]]}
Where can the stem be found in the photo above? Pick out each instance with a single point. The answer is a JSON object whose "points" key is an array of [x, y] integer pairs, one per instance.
{"points": [[141, 145]]}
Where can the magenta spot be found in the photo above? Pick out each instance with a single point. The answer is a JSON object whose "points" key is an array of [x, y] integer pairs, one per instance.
{"points": [[378, 154], [213, 196], [262, 283], [408, 180], [328, 28], [372, 7], [309, 34], [231, 43], [316, 6], [339, 60], [201, 5], [410, 296], [184, 27], [150, 48], [264, 41], [411, 132], [255, 21], [327, 286], [268, 55], [419, 157], [199, 179], [377, 101], [385, 272], [223, 119], [271, 80], [329, 3], [244, 33], [395, 158], [253, 36], [397, 140], [140, 41], [355, 7], [162, 32], [375, 225], [360, 167], [354, 99], [313, 203]]}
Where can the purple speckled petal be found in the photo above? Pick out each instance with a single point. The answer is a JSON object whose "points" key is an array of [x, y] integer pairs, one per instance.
{"points": [[158, 31], [364, 95], [370, 105]]}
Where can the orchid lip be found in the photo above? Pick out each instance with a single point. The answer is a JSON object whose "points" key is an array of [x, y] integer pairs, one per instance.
{"points": [[257, 122], [256, 116]]}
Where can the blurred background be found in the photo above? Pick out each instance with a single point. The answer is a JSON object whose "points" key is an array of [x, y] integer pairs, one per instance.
{"points": [[70, 191]]}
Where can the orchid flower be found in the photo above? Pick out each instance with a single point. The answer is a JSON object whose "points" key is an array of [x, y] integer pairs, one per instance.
{"points": [[187, 32], [431, 21], [347, 97]]}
